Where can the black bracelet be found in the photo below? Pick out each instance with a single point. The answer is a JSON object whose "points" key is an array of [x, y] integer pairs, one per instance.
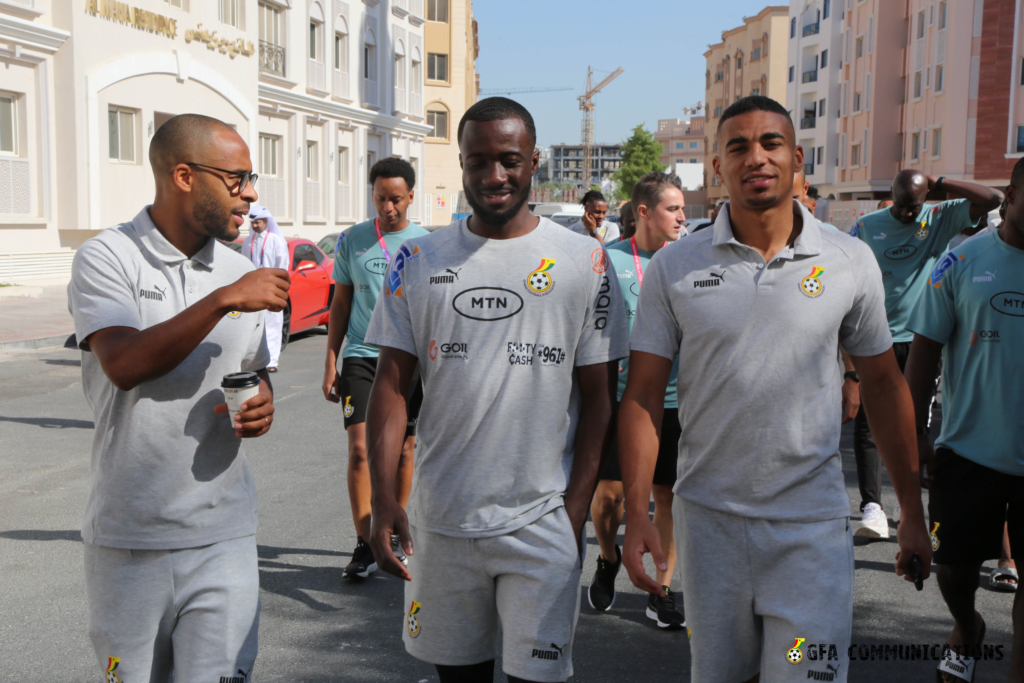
{"points": [[939, 183], [852, 374]]}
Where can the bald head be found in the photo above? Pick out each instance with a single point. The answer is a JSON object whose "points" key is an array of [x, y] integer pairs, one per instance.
{"points": [[909, 190], [183, 139]]}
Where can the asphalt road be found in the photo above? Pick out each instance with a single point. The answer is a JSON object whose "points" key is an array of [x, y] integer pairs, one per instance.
{"points": [[315, 625]]}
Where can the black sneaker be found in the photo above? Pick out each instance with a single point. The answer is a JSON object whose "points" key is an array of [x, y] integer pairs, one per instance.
{"points": [[396, 550], [601, 593], [662, 609], [363, 563]]}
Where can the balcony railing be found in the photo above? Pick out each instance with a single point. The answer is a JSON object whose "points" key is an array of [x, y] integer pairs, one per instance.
{"points": [[341, 84], [808, 169], [343, 201], [808, 122], [810, 76], [15, 179], [812, 29], [312, 199], [316, 75], [273, 195], [271, 59]]}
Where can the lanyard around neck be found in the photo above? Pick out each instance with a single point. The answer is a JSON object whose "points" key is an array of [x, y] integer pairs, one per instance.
{"points": [[380, 238], [262, 248]]}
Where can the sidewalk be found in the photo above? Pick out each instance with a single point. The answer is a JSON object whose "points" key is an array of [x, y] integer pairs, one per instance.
{"points": [[37, 317]]}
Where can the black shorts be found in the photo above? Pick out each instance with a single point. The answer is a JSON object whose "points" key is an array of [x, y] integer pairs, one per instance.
{"points": [[356, 380], [668, 452], [967, 507]]}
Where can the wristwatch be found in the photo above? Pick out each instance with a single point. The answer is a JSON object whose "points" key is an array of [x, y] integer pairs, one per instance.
{"points": [[852, 374]]}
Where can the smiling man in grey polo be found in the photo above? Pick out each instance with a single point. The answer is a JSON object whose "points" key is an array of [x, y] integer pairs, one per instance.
{"points": [[162, 312], [758, 305]]}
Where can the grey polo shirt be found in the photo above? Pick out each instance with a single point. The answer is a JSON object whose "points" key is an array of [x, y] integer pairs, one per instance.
{"points": [[166, 471], [760, 392]]}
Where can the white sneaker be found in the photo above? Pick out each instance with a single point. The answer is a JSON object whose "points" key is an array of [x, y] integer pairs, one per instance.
{"points": [[873, 522]]}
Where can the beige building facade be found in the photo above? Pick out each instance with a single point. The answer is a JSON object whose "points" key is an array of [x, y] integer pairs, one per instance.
{"points": [[452, 84], [750, 60], [319, 89], [682, 140]]}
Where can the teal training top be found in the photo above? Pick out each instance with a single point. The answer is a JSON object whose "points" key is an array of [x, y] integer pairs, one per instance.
{"points": [[974, 304], [360, 263], [907, 253], [621, 255]]}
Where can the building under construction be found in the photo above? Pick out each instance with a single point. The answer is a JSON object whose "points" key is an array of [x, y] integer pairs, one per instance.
{"points": [[567, 163]]}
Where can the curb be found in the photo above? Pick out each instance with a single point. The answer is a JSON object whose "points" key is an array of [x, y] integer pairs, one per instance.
{"points": [[56, 341]]}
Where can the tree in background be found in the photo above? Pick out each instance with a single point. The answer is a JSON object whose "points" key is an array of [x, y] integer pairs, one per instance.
{"points": [[641, 154]]}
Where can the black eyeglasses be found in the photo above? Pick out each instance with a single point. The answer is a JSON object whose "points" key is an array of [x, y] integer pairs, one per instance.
{"points": [[244, 177]]}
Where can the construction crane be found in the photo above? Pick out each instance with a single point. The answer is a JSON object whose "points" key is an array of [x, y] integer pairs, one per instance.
{"points": [[695, 109], [587, 106], [518, 91]]}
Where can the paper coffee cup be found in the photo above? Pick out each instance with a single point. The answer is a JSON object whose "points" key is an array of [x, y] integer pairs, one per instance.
{"points": [[239, 387]]}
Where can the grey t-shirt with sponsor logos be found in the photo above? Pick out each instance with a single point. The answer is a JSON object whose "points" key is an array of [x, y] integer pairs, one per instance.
{"points": [[167, 472], [759, 389], [498, 327]]}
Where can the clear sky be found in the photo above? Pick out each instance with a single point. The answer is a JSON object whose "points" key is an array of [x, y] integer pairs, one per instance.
{"points": [[660, 44]]}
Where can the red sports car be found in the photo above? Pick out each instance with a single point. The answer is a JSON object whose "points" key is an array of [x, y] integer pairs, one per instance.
{"points": [[312, 287]]}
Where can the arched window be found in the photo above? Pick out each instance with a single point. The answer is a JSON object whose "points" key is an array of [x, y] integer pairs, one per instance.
{"points": [[438, 118], [340, 61], [370, 67], [416, 86], [400, 95], [317, 73]]}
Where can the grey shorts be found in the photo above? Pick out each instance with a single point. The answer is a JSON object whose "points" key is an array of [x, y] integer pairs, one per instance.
{"points": [[194, 612], [765, 596], [528, 580]]}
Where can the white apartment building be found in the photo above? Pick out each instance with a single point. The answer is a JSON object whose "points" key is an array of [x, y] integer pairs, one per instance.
{"points": [[813, 87], [320, 89]]}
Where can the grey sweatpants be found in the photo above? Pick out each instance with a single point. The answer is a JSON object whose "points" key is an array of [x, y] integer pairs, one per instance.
{"points": [[765, 596], [194, 612], [528, 579]]}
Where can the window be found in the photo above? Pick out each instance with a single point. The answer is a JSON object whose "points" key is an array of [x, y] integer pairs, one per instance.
{"points": [[871, 34], [437, 10], [370, 57], [399, 71], [856, 101], [792, 71], [341, 52], [693, 145], [826, 8], [8, 124], [1020, 139], [693, 161], [679, 145], [679, 161], [855, 155], [270, 24], [859, 48], [122, 134], [314, 29], [792, 27], [312, 173], [268, 154], [343, 165], [920, 25], [755, 91], [937, 142], [821, 153], [915, 146], [718, 76], [718, 112], [715, 147], [867, 92], [437, 67], [755, 54], [417, 74], [227, 10], [940, 77], [821, 109], [917, 85], [942, 15], [303, 252], [824, 58], [174, 3], [739, 63], [438, 120]]}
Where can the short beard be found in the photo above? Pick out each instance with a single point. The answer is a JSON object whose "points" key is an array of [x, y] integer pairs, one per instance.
{"points": [[499, 219], [213, 219], [762, 202]]}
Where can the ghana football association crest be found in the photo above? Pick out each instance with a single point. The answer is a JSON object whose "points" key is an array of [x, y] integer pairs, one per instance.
{"points": [[540, 281], [812, 285], [412, 621], [795, 655], [934, 536], [349, 408], [922, 232], [112, 664]]}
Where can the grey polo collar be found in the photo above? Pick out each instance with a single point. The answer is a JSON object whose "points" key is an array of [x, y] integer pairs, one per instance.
{"points": [[155, 242], [808, 242]]}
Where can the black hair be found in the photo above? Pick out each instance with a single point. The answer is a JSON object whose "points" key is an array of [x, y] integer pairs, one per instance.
{"points": [[813, 193], [393, 167], [180, 140], [648, 189], [746, 105], [499, 109], [593, 196], [1017, 176]]}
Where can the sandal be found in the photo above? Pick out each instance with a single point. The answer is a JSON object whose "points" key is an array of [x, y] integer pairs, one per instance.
{"points": [[1004, 580], [960, 667]]}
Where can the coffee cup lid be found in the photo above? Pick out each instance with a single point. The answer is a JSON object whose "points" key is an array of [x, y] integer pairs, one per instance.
{"points": [[240, 380]]}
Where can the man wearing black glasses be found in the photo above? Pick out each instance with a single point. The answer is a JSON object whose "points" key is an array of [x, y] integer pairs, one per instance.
{"points": [[163, 312]]}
